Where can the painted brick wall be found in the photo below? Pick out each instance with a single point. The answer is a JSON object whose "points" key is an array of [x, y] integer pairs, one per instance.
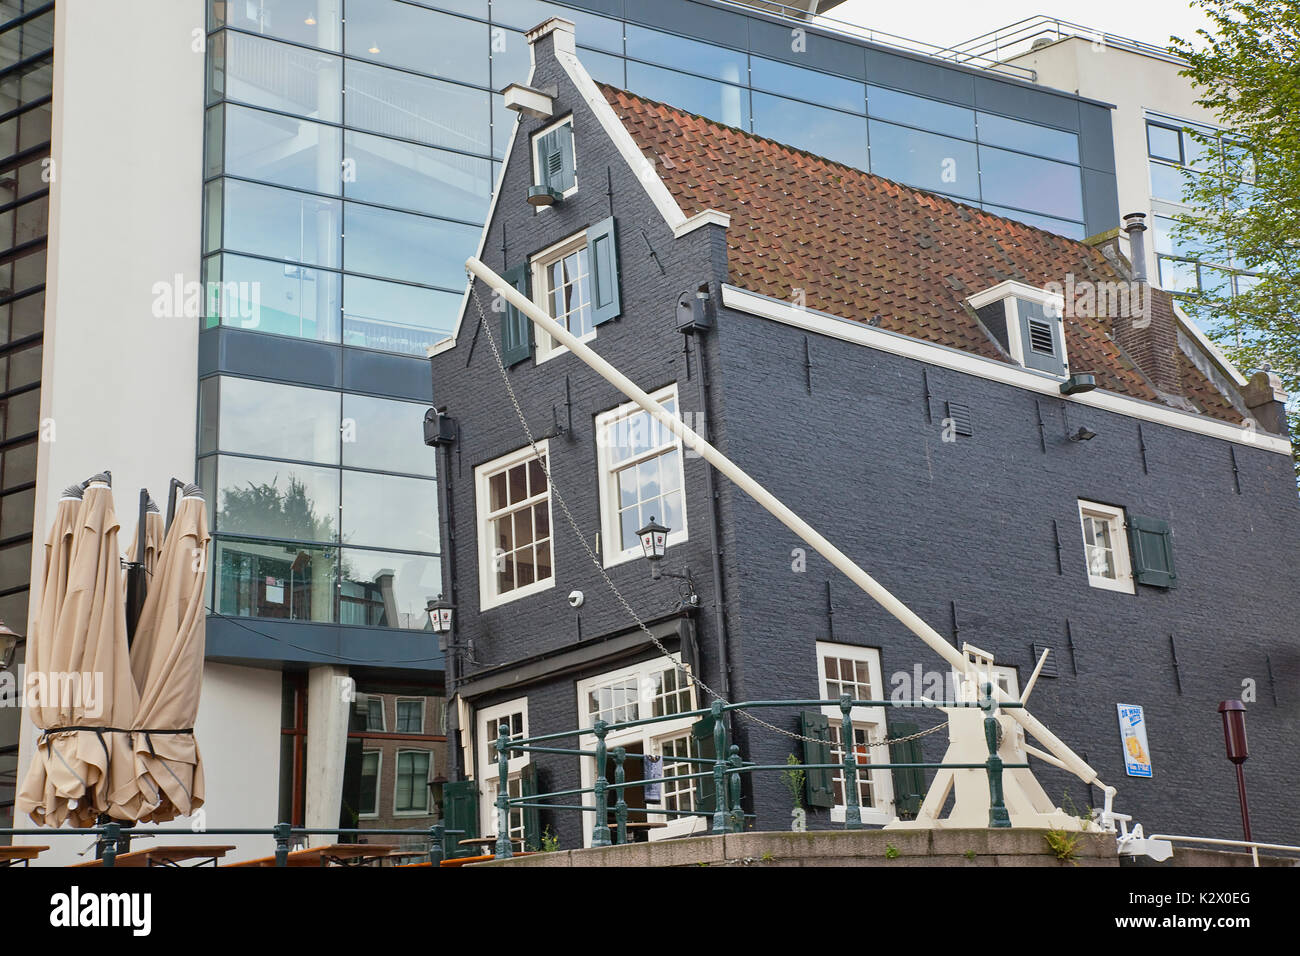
{"points": [[968, 522]]}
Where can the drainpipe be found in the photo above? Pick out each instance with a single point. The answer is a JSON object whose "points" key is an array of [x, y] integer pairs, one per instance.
{"points": [[449, 588]]}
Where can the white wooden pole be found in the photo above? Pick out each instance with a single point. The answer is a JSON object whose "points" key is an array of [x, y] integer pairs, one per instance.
{"points": [[805, 531]]}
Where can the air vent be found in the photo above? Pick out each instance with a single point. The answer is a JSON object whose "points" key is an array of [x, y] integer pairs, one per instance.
{"points": [[1049, 666], [959, 415], [1040, 337]]}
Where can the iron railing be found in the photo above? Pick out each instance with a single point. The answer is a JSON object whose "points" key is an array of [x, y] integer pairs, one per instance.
{"points": [[726, 768]]}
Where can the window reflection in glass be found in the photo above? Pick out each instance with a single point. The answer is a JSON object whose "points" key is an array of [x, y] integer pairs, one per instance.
{"points": [[415, 38], [395, 317], [283, 421], [680, 53], [279, 149], [274, 297], [280, 224], [387, 589], [313, 22], [835, 135], [806, 84], [1028, 137], [390, 510], [721, 102], [415, 107], [272, 580], [420, 178], [1040, 185], [383, 435], [1062, 227], [925, 160], [277, 499], [400, 245], [887, 104], [275, 75], [597, 31], [1167, 182]]}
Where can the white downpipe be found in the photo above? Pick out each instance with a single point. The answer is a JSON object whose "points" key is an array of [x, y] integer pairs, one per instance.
{"points": [[1069, 759]]}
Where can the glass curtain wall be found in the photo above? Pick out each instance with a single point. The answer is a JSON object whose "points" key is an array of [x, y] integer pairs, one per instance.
{"points": [[26, 97]]}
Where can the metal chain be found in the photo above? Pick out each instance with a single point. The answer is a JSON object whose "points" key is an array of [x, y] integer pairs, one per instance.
{"points": [[582, 539]]}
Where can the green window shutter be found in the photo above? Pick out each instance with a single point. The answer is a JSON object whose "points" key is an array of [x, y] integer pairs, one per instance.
{"points": [[819, 785], [702, 732], [1151, 543], [555, 158], [909, 784], [602, 249], [516, 328], [532, 816], [459, 812]]}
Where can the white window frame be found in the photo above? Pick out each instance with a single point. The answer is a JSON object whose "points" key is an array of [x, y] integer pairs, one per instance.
{"points": [[488, 596], [1007, 292], [537, 165], [649, 736], [612, 551], [1123, 580], [397, 714], [546, 348], [488, 774], [379, 777], [397, 776], [1004, 676], [871, 718]]}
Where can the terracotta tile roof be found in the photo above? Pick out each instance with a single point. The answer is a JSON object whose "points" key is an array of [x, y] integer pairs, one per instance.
{"points": [[861, 246], [1203, 394]]}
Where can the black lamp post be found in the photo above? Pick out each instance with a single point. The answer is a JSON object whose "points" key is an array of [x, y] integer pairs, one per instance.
{"points": [[441, 617], [654, 544], [1234, 738]]}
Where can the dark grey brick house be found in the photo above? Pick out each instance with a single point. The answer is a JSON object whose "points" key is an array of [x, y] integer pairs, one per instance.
{"points": [[890, 363]]}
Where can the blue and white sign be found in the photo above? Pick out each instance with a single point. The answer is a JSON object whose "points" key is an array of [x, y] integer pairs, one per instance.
{"points": [[1133, 738]]}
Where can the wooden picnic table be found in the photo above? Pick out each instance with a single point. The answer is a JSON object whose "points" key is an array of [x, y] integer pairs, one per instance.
{"points": [[341, 854], [488, 841], [22, 853], [167, 856]]}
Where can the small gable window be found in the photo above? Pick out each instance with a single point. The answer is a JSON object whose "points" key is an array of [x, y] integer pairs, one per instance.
{"points": [[1027, 323], [553, 158]]}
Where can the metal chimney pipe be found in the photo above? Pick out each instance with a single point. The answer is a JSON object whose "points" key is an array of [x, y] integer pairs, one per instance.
{"points": [[1135, 224]]}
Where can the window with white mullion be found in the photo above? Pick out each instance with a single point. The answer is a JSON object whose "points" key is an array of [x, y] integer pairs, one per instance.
{"points": [[643, 476], [855, 671], [514, 505], [1105, 547], [677, 794], [862, 734], [568, 285], [515, 814]]}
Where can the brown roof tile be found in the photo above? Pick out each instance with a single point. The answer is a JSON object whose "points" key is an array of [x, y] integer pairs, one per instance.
{"points": [[861, 246]]}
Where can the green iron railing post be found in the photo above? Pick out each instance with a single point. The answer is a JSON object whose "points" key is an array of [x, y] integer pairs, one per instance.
{"points": [[720, 814], [620, 805], [436, 836], [503, 849], [733, 799], [112, 833], [600, 834], [852, 811], [282, 832], [998, 816]]}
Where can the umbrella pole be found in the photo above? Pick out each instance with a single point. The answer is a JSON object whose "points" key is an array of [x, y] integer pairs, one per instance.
{"points": [[175, 486], [135, 573]]}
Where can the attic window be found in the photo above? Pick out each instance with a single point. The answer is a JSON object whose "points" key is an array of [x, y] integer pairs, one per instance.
{"points": [[553, 158], [1027, 323]]}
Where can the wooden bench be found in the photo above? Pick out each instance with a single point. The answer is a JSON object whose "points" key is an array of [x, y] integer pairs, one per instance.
{"points": [[167, 856], [14, 855], [336, 854]]}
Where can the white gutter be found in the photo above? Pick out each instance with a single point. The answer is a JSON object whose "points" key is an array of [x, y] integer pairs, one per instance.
{"points": [[913, 622]]}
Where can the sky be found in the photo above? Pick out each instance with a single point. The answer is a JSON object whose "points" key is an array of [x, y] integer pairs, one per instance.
{"points": [[948, 22]]}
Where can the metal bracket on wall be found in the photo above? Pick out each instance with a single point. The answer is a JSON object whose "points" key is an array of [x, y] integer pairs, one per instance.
{"points": [[1173, 654], [1042, 434], [925, 385], [1056, 538], [1069, 642], [807, 365], [1236, 472], [1142, 449]]}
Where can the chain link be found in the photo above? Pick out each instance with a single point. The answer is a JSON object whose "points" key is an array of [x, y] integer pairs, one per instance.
{"points": [[609, 583]]}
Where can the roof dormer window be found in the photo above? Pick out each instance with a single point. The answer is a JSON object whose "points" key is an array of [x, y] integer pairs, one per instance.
{"points": [[1027, 323], [554, 168]]}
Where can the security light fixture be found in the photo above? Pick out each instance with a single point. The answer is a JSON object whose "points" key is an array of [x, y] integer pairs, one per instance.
{"points": [[539, 196], [441, 614], [1083, 434], [1078, 382]]}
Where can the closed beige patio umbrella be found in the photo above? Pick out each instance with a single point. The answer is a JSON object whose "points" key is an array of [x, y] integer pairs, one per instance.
{"points": [[153, 540], [83, 755], [167, 663], [38, 798]]}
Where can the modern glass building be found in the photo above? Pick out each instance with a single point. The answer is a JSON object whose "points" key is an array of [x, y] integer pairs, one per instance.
{"points": [[26, 77]]}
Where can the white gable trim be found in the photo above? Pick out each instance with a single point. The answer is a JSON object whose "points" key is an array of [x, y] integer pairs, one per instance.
{"points": [[848, 330]]}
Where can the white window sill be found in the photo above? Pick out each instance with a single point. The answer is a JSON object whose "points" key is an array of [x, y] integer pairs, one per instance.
{"points": [[1122, 585], [557, 350], [869, 815], [632, 554], [487, 602]]}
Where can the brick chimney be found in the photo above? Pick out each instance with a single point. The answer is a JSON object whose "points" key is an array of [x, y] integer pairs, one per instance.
{"points": [[1266, 401], [1149, 334]]}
